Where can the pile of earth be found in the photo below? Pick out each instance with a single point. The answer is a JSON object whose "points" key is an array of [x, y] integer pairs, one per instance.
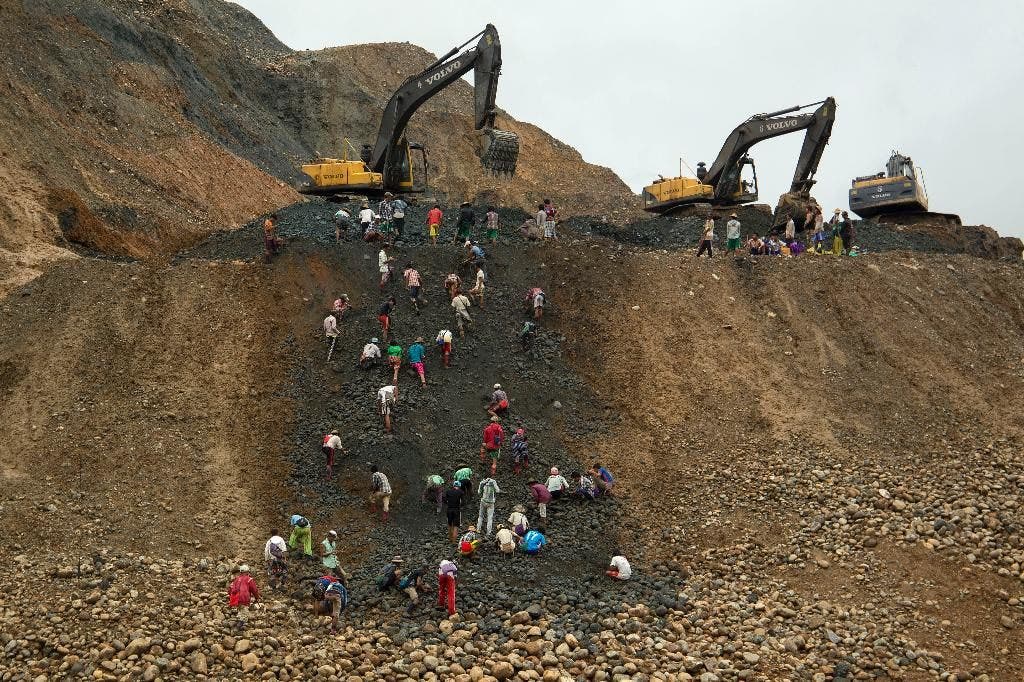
{"points": [[779, 514], [134, 128]]}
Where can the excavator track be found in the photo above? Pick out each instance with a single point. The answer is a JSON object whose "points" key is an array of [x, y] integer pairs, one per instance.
{"points": [[499, 151]]}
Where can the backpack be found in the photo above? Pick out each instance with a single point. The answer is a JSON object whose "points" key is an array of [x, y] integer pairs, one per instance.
{"points": [[409, 580], [340, 590], [321, 585], [387, 578]]}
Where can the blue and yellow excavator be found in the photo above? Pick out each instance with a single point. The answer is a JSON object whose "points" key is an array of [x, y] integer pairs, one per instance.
{"points": [[387, 165]]}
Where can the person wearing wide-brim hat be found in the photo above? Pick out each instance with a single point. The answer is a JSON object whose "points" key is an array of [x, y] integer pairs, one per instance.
{"points": [[517, 519]]}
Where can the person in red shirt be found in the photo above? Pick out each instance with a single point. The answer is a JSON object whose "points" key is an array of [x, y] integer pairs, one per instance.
{"points": [[494, 436], [434, 218], [242, 593], [541, 495]]}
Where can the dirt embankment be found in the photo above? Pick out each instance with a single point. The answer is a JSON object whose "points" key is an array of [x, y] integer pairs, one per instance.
{"points": [[800, 443]]}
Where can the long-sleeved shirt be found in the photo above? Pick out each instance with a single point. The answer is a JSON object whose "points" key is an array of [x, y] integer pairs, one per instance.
{"points": [[387, 211], [448, 568], [556, 483], [275, 543], [245, 589], [330, 326], [380, 483], [540, 493], [488, 490], [709, 229], [732, 229]]}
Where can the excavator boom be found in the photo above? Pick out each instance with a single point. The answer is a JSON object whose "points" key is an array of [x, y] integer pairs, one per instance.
{"points": [[485, 59], [722, 184], [387, 164]]}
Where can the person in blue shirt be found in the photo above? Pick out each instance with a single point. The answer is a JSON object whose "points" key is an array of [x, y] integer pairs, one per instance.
{"points": [[533, 541], [603, 479], [415, 354]]}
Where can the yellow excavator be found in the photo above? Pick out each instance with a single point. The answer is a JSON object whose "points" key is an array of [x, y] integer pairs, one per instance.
{"points": [[723, 185], [387, 165]]}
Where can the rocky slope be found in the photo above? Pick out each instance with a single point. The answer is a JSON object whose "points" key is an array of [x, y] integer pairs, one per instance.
{"points": [[818, 463]]}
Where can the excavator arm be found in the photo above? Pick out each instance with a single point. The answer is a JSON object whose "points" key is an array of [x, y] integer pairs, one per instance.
{"points": [[500, 149], [724, 173]]}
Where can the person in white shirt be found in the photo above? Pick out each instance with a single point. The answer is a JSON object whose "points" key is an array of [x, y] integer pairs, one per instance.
{"points": [[444, 339], [342, 221], [478, 287], [706, 237], [371, 354], [732, 234], [275, 554], [506, 540], [462, 318], [366, 217], [386, 398], [331, 326], [556, 483], [331, 446], [384, 265], [619, 569], [790, 230]]}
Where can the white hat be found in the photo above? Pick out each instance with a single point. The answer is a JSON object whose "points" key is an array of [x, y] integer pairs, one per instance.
{"points": [[333, 533], [468, 243], [244, 568], [497, 385]]}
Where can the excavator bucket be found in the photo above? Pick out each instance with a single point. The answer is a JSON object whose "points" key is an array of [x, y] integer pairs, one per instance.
{"points": [[499, 151]]}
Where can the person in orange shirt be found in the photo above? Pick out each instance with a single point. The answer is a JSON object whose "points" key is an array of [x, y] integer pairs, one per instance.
{"points": [[434, 218]]}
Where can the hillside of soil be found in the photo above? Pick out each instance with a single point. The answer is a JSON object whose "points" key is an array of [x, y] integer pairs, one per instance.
{"points": [[818, 462], [134, 128]]}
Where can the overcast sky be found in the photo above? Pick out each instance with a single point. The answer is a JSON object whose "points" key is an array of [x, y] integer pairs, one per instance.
{"points": [[635, 86]]}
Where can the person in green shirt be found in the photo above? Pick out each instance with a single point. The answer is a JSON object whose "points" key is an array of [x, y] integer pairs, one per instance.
{"points": [[394, 360], [329, 554], [464, 477], [434, 490]]}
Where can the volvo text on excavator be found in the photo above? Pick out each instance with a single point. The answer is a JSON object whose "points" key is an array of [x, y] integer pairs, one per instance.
{"points": [[723, 184], [387, 165]]}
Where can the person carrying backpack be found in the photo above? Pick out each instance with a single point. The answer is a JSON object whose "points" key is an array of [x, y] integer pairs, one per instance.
{"points": [[411, 584], [520, 524], [494, 436], [488, 491], [302, 532], [391, 574], [447, 573], [243, 592], [330, 597]]}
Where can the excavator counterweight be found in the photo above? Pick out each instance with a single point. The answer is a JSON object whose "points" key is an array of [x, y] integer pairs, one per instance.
{"points": [[387, 164]]}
